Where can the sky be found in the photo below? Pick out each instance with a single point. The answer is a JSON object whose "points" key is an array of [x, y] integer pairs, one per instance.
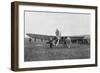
{"points": [[46, 23]]}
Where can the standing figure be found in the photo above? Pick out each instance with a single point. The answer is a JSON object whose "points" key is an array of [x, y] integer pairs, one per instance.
{"points": [[68, 42], [30, 40]]}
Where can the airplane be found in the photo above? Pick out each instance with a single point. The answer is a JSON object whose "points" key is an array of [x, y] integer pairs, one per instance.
{"points": [[54, 41]]}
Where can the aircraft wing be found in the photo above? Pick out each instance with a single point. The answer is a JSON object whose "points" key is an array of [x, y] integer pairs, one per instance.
{"points": [[73, 37], [47, 37], [39, 36]]}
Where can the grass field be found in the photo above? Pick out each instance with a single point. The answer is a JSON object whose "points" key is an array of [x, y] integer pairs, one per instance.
{"points": [[35, 52]]}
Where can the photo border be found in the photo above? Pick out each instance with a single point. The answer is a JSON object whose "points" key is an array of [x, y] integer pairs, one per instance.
{"points": [[15, 34]]}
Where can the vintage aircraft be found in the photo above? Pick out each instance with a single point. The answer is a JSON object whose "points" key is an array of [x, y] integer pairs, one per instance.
{"points": [[52, 40], [56, 40]]}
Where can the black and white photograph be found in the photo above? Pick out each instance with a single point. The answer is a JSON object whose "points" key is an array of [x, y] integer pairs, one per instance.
{"points": [[56, 35], [53, 36]]}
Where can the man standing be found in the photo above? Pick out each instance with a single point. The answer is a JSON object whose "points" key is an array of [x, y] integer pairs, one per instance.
{"points": [[30, 40], [68, 41]]}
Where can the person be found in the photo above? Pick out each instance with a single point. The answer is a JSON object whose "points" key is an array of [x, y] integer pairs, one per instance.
{"points": [[50, 42], [30, 40], [68, 42], [58, 36]]}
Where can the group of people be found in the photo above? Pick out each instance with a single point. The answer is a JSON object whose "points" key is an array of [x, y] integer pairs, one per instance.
{"points": [[56, 41], [66, 41]]}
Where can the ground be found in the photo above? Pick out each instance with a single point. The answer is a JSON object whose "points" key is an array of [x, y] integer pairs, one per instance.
{"points": [[35, 52]]}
